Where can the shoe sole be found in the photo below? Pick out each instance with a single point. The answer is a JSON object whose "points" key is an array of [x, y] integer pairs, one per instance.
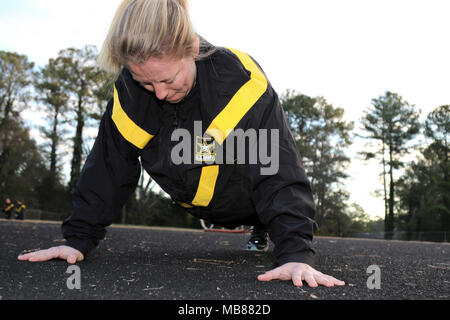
{"points": [[258, 250]]}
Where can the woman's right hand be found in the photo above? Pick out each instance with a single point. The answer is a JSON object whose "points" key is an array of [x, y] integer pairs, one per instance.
{"points": [[67, 253]]}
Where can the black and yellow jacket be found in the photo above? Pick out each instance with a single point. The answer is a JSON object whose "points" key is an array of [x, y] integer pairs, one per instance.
{"points": [[20, 208], [231, 92], [8, 208]]}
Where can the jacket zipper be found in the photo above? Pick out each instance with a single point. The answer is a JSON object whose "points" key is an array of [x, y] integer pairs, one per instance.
{"points": [[175, 173], [176, 122]]}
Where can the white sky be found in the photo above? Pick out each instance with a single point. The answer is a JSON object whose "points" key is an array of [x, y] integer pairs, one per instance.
{"points": [[349, 51]]}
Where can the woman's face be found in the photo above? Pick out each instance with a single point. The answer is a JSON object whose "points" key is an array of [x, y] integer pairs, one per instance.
{"points": [[170, 79]]}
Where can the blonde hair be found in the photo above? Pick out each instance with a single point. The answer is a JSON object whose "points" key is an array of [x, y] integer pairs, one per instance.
{"points": [[147, 28]]}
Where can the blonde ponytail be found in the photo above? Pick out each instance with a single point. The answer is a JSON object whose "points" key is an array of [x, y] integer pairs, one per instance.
{"points": [[105, 58], [147, 28], [184, 4]]}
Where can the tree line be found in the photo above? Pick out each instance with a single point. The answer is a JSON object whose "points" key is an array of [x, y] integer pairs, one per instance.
{"points": [[72, 94]]}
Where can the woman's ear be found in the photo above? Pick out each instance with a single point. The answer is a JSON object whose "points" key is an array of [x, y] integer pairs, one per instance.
{"points": [[196, 47]]}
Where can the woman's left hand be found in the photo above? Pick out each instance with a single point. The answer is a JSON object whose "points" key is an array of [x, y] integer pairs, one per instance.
{"points": [[297, 272]]}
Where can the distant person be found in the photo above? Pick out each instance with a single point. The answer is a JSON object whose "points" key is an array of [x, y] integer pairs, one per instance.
{"points": [[20, 210], [8, 208], [169, 80]]}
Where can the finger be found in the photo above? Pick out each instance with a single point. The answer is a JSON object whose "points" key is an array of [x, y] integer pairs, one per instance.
{"points": [[268, 276], [330, 281], [297, 278], [28, 255], [309, 278], [281, 273], [72, 258], [43, 255], [24, 256], [333, 280], [324, 280], [338, 282]]}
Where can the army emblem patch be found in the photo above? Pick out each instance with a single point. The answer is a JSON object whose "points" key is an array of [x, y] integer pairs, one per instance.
{"points": [[205, 149]]}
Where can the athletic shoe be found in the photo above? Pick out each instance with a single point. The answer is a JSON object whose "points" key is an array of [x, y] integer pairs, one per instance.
{"points": [[259, 240]]}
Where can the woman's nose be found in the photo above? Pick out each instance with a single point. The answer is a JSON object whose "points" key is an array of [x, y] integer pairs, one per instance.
{"points": [[161, 91]]}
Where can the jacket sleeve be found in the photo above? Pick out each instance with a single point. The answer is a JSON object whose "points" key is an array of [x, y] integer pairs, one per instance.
{"points": [[109, 176], [282, 195]]}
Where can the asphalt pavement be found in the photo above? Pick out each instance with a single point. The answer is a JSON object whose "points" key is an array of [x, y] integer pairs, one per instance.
{"points": [[139, 263]]}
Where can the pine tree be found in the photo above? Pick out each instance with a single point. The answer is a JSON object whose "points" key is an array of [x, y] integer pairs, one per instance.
{"points": [[391, 123]]}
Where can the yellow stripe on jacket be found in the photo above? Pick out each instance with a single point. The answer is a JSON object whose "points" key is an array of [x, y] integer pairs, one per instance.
{"points": [[241, 102], [127, 128]]}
